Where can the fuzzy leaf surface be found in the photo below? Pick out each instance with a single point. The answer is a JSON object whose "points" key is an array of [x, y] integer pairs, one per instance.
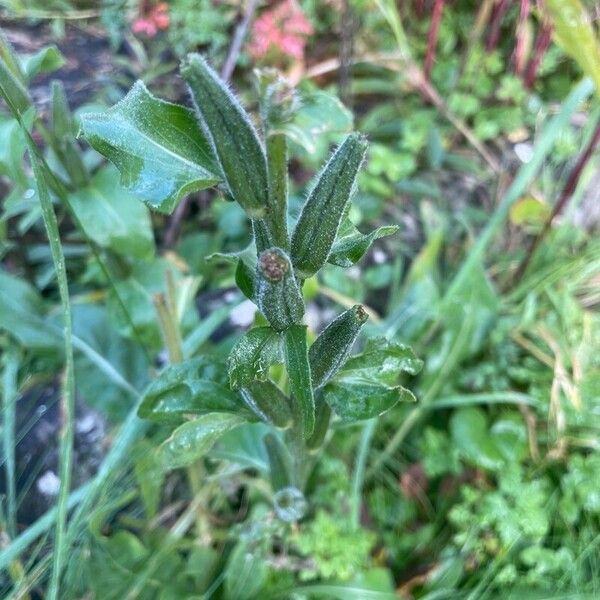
{"points": [[159, 148], [233, 138], [194, 387], [351, 245], [194, 439], [367, 385], [298, 368], [252, 356], [113, 218]]}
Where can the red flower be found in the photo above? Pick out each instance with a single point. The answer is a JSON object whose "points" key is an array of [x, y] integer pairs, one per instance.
{"points": [[155, 20], [282, 29]]}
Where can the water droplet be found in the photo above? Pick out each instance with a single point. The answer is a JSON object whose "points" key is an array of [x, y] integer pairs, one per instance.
{"points": [[290, 504]]}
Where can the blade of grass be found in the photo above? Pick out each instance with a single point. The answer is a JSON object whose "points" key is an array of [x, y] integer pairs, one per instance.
{"points": [[359, 471], [566, 195], [9, 393], [22, 542], [519, 185], [68, 389]]}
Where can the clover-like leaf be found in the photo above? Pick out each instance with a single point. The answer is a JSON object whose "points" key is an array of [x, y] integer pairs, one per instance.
{"points": [[159, 148], [194, 387], [252, 356], [367, 385]]}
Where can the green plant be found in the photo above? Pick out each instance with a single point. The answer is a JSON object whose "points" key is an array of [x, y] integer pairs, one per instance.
{"points": [[163, 152]]}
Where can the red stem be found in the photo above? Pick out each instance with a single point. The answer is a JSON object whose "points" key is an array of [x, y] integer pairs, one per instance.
{"points": [[567, 193], [432, 36], [542, 43], [496, 22], [420, 8], [521, 31]]}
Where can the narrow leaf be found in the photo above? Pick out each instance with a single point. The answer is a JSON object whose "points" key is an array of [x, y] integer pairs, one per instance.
{"points": [[157, 146], [322, 213], [298, 368], [330, 350], [234, 140], [269, 403], [575, 34], [353, 398]]}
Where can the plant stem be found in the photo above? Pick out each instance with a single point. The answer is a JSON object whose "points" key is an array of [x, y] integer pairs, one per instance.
{"points": [[432, 36], [169, 328], [498, 14], [521, 32], [67, 404], [9, 394], [542, 42], [278, 188], [566, 195]]}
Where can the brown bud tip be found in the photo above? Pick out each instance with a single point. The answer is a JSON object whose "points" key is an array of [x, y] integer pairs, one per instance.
{"points": [[273, 264], [361, 313]]}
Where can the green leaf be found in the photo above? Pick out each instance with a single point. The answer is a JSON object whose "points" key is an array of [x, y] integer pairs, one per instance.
{"points": [[233, 137], [471, 436], [113, 218], [351, 245], [245, 268], [12, 90], [194, 387], [23, 314], [158, 147], [331, 349], [319, 113], [353, 398], [324, 208], [575, 34], [269, 403], [280, 462], [298, 369], [194, 439], [252, 356], [246, 572], [45, 60], [384, 360], [367, 385]]}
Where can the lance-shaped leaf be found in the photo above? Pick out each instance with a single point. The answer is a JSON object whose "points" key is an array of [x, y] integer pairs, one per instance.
{"points": [[252, 356], [331, 349], [280, 462], [298, 369], [194, 387], [194, 439], [324, 208], [351, 245], [233, 137], [367, 385], [158, 147]]}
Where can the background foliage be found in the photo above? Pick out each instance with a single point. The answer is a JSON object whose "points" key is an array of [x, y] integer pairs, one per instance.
{"points": [[482, 123]]}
